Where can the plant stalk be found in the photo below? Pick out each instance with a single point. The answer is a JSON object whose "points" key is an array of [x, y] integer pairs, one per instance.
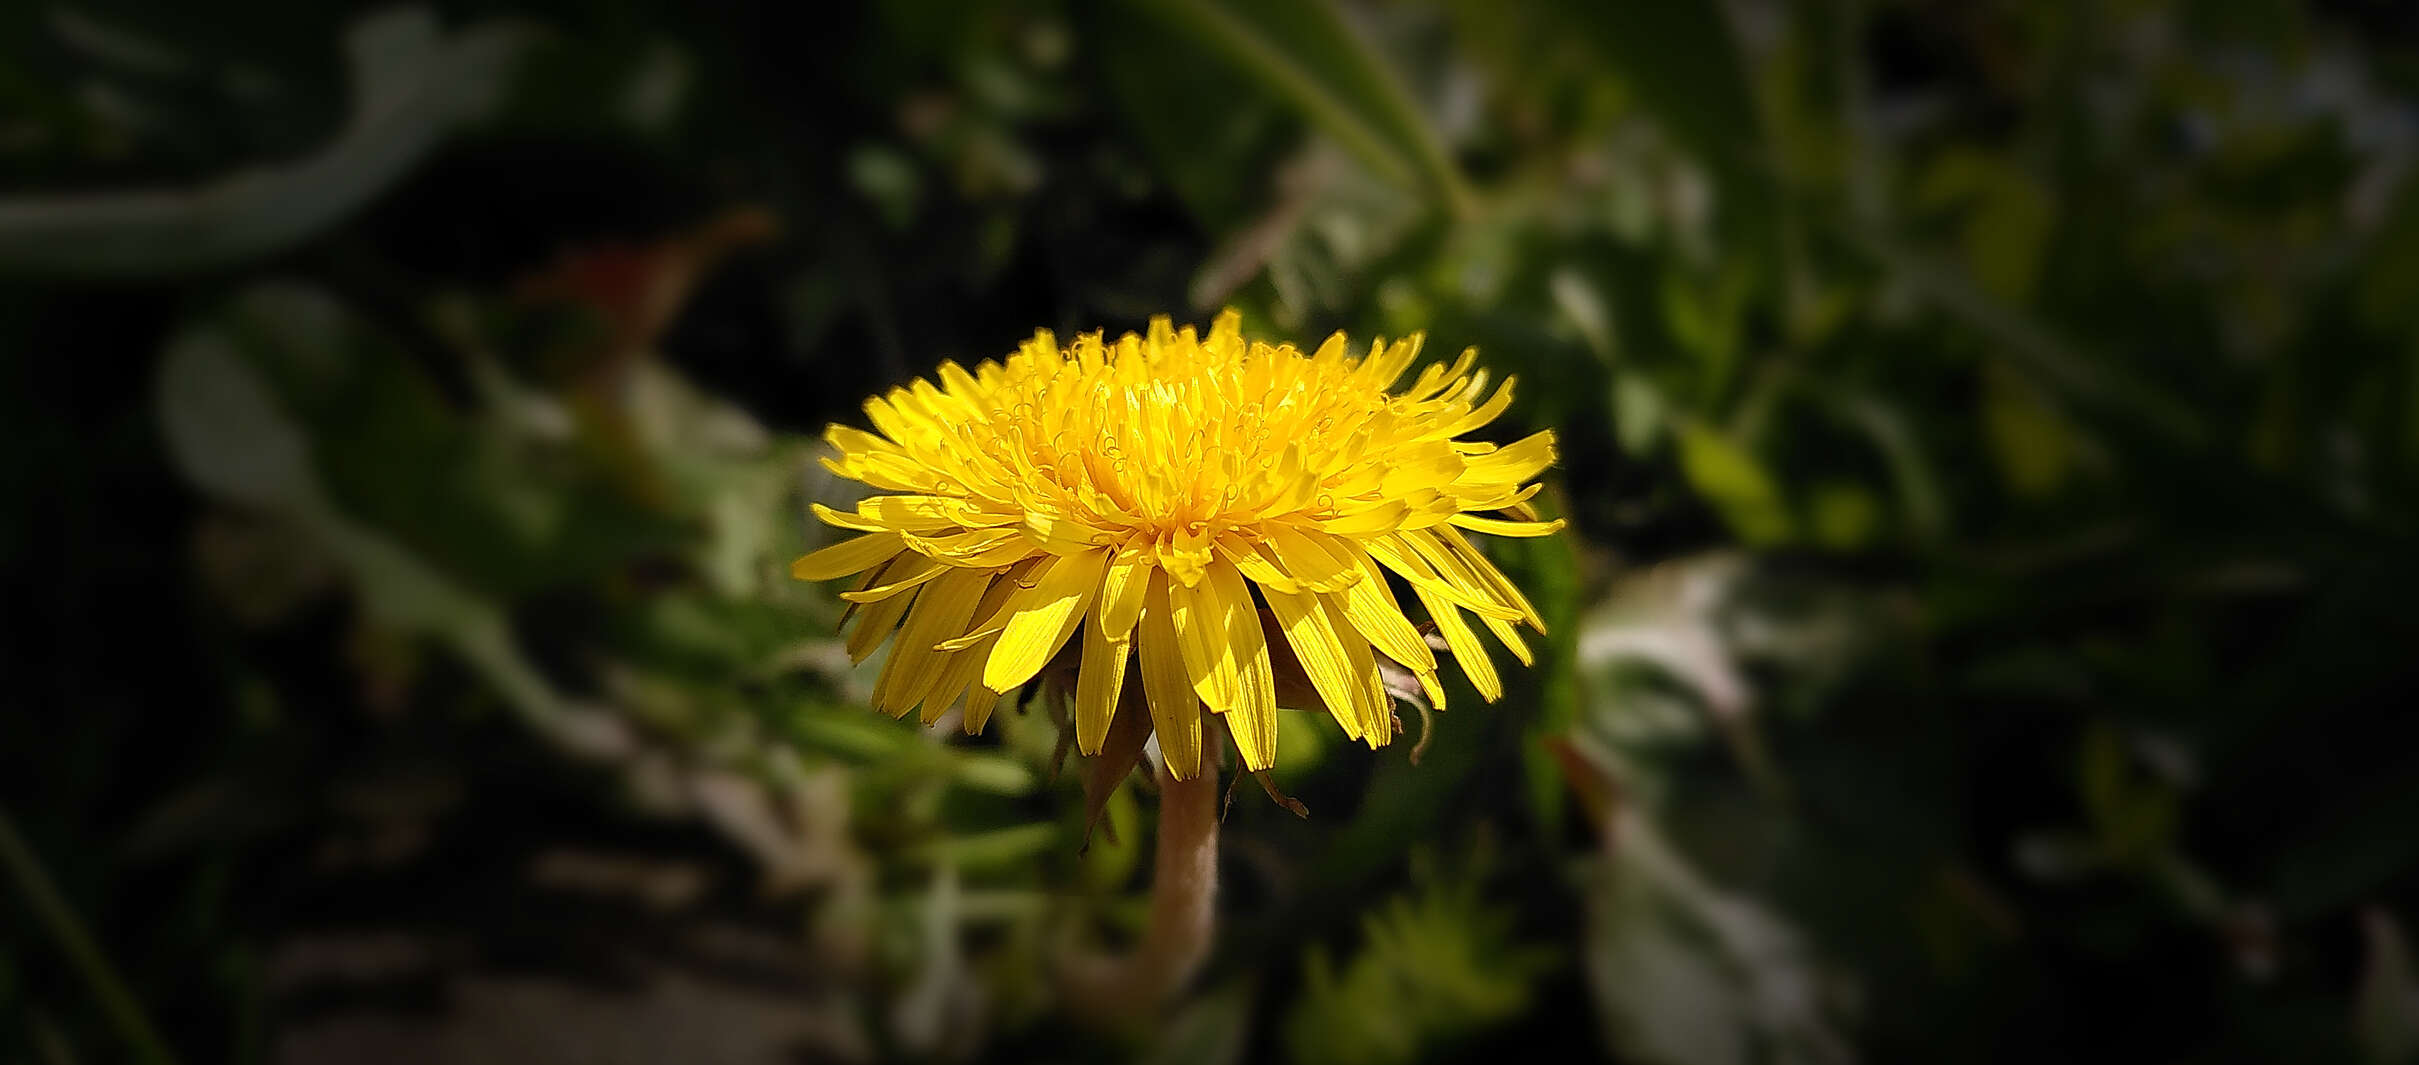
{"points": [[43, 898], [1183, 918]]}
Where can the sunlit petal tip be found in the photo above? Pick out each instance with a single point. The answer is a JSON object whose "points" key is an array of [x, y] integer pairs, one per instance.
{"points": [[847, 557]]}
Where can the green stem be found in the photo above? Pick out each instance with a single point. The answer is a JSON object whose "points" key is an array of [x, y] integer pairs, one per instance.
{"points": [[42, 896]]}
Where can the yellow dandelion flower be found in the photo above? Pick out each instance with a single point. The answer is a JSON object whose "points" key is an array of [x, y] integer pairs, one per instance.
{"points": [[1185, 501]]}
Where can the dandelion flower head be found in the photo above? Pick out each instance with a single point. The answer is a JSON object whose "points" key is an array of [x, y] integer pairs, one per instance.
{"points": [[1190, 503]]}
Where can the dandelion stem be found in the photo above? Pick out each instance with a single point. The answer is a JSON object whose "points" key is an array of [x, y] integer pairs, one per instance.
{"points": [[1184, 910]]}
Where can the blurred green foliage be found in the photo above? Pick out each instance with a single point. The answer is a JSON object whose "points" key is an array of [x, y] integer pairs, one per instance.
{"points": [[1990, 433]]}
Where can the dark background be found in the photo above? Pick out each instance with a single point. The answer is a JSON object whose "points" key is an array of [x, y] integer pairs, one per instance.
{"points": [[1985, 633]]}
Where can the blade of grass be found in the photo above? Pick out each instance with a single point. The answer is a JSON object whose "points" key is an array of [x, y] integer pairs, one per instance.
{"points": [[42, 897], [1386, 90], [1385, 131]]}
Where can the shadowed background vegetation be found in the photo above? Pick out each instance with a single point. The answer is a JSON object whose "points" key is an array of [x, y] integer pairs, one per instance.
{"points": [[1985, 633]]}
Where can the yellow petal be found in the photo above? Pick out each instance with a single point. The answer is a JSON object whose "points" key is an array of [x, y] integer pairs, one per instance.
{"points": [[1184, 556], [875, 624], [979, 637], [1468, 653], [993, 556], [847, 556], [1063, 535], [1225, 653], [1175, 709], [907, 572], [1516, 461], [1309, 630], [895, 422], [1370, 605], [941, 608], [1370, 700], [1381, 370], [917, 513], [965, 663], [852, 443], [1226, 328], [1256, 568], [958, 673], [1313, 559], [972, 547], [955, 381], [1402, 557], [888, 471], [1499, 527], [1042, 618], [1512, 501], [1368, 521], [1122, 590], [1432, 687], [979, 702], [1487, 412], [1412, 473], [1455, 570], [846, 521], [1200, 620], [1505, 590], [1098, 683]]}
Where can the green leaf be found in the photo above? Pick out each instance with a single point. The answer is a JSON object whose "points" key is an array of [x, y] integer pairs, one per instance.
{"points": [[991, 774], [1639, 410], [2027, 438], [1843, 515], [1019, 844], [1703, 317], [850, 732], [1304, 736], [886, 176], [1736, 484], [1912, 475], [225, 428], [1115, 848], [1303, 52], [2133, 819], [2008, 218]]}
